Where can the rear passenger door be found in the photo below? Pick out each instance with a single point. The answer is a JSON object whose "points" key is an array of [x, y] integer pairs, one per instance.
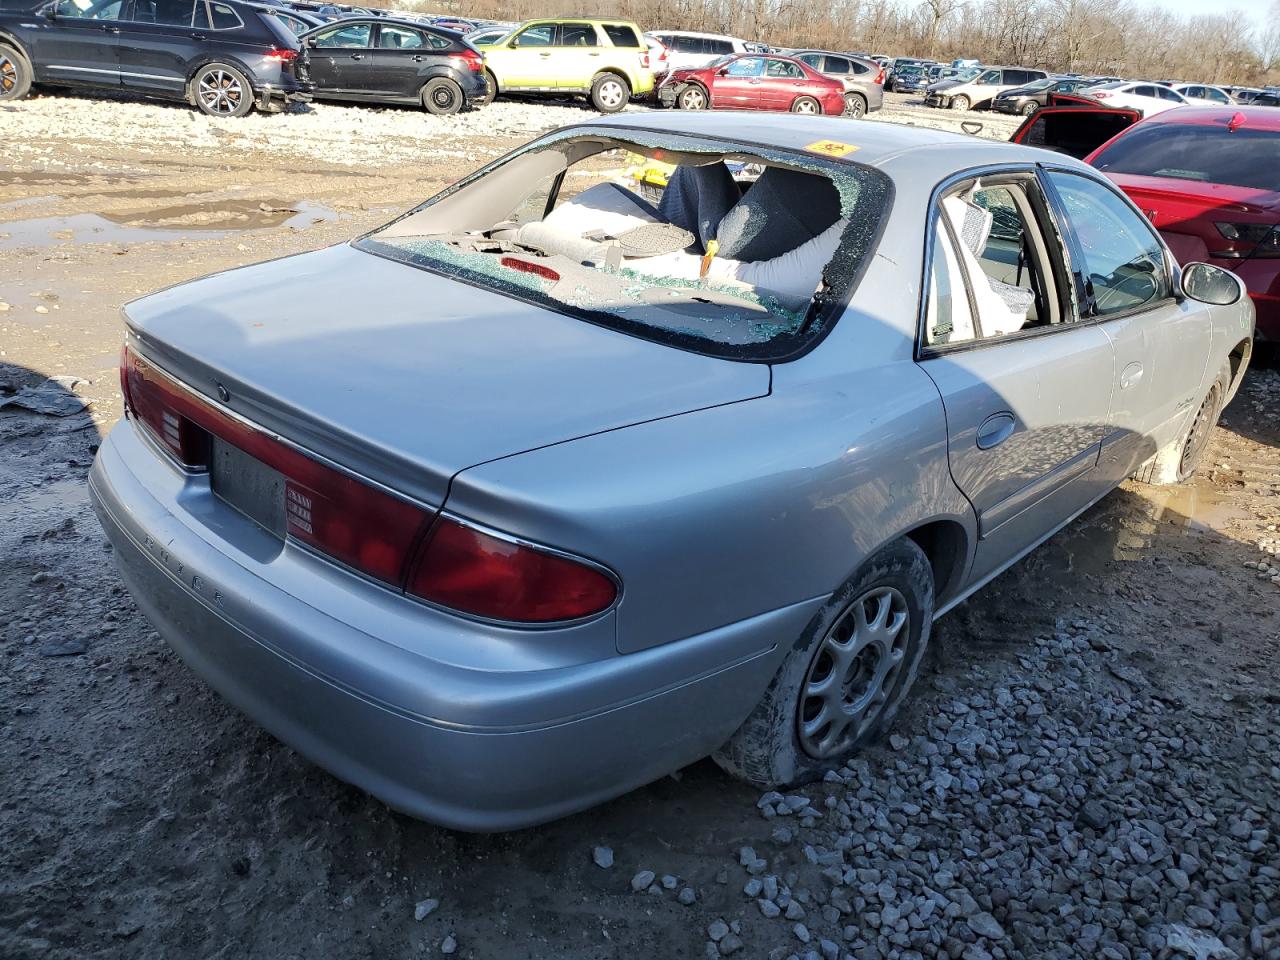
{"points": [[157, 42], [1026, 388], [81, 44], [577, 56]]}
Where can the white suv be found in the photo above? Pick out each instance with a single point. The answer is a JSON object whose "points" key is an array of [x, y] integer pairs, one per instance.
{"points": [[689, 51]]}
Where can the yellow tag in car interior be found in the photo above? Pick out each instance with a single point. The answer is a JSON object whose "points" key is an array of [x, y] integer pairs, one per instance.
{"points": [[831, 148]]}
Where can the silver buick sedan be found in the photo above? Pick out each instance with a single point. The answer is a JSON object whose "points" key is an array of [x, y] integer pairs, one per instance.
{"points": [[548, 488]]}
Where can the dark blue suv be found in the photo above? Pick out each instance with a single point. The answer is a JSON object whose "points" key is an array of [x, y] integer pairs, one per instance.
{"points": [[223, 56]]}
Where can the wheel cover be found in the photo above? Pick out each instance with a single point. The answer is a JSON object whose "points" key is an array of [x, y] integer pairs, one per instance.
{"points": [[692, 99], [1029, 108], [806, 106], [220, 92], [853, 106], [853, 673], [8, 74], [610, 93], [443, 96], [1198, 436]]}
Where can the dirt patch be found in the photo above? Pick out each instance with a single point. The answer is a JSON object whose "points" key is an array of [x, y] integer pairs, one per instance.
{"points": [[143, 817]]}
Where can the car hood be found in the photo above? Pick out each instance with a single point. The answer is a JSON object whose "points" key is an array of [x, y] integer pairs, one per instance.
{"points": [[409, 377], [942, 86]]}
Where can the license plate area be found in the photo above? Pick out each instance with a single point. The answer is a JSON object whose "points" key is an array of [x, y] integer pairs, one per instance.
{"points": [[247, 485]]}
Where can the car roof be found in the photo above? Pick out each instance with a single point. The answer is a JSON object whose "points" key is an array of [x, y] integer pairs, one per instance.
{"points": [[1255, 118], [693, 33], [874, 144], [630, 23], [390, 21]]}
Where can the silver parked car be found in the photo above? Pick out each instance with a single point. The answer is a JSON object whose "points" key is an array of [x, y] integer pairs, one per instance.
{"points": [[542, 491], [863, 79]]}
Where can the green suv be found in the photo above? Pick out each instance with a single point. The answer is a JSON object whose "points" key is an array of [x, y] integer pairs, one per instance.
{"points": [[605, 60]]}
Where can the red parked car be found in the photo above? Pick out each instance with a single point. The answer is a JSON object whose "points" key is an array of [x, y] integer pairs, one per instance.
{"points": [[754, 82], [1209, 179]]}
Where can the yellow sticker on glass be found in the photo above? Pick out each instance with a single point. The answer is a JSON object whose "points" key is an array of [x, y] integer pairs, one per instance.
{"points": [[831, 148]]}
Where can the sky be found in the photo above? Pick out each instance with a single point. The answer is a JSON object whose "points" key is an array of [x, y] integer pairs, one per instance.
{"points": [[1253, 11]]}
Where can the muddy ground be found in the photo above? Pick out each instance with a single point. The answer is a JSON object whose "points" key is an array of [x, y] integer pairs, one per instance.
{"points": [[142, 817]]}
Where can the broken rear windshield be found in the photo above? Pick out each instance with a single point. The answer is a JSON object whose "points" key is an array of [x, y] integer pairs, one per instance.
{"points": [[718, 247]]}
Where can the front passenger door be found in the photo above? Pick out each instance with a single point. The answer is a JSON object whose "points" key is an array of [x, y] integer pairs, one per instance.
{"points": [[81, 44], [737, 84], [1026, 389], [340, 59]]}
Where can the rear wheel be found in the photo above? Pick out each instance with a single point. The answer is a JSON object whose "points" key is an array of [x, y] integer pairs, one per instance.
{"points": [[692, 98], [960, 102], [806, 105], [609, 93], [441, 96], [855, 105], [222, 91], [843, 681], [15, 74]]}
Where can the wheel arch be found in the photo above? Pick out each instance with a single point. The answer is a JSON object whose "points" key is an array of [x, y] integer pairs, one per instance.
{"points": [[11, 40], [616, 71], [946, 543], [207, 59]]}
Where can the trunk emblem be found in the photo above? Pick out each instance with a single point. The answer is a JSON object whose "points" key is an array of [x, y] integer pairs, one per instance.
{"points": [[223, 393]]}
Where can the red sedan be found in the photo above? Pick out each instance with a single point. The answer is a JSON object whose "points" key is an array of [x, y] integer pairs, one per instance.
{"points": [[1208, 178], [754, 82]]}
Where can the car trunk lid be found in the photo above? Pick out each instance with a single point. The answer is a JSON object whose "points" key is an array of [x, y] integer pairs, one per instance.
{"points": [[406, 377], [1073, 125]]}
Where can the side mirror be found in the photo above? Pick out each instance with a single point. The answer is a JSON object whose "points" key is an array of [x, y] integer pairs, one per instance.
{"points": [[1210, 284], [50, 12], [311, 43], [722, 72]]}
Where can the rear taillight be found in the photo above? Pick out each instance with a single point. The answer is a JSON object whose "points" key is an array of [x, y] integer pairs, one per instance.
{"points": [[368, 528], [1101, 95], [158, 405], [469, 570], [880, 77], [283, 54], [1249, 240], [468, 60], [644, 59]]}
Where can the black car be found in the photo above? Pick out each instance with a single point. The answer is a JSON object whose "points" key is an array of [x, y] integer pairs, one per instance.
{"points": [[1027, 99], [385, 60], [223, 56]]}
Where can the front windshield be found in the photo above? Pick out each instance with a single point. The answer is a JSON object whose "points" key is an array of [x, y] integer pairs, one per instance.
{"points": [[721, 61], [1040, 85], [722, 248]]}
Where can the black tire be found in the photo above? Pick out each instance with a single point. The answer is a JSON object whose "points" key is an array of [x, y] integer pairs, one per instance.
{"points": [[15, 74], [960, 102], [693, 97], [855, 105], [806, 105], [610, 93], [491, 87], [770, 749], [1029, 108], [1200, 431], [220, 90], [442, 97]]}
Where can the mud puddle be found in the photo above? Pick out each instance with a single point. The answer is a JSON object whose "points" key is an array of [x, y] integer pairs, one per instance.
{"points": [[1128, 529], [169, 224]]}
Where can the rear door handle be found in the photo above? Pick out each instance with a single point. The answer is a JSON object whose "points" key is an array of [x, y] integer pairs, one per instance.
{"points": [[418, 58], [1130, 375], [198, 36], [108, 28], [544, 54], [995, 430], [357, 56]]}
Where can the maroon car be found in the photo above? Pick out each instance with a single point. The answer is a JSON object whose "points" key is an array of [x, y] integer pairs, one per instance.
{"points": [[753, 82]]}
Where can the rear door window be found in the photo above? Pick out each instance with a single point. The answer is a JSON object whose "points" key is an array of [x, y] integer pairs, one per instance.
{"points": [[174, 13], [400, 38], [719, 47], [621, 35], [577, 35], [837, 65], [783, 69], [223, 17]]}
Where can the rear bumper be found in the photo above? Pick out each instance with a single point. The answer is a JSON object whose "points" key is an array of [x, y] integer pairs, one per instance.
{"points": [[269, 95], [328, 668]]}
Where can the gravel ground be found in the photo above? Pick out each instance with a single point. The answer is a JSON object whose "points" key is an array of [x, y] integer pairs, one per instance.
{"points": [[1087, 769]]}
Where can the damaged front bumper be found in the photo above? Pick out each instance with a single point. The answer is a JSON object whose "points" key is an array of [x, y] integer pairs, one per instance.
{"points": [[669, 93]]}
